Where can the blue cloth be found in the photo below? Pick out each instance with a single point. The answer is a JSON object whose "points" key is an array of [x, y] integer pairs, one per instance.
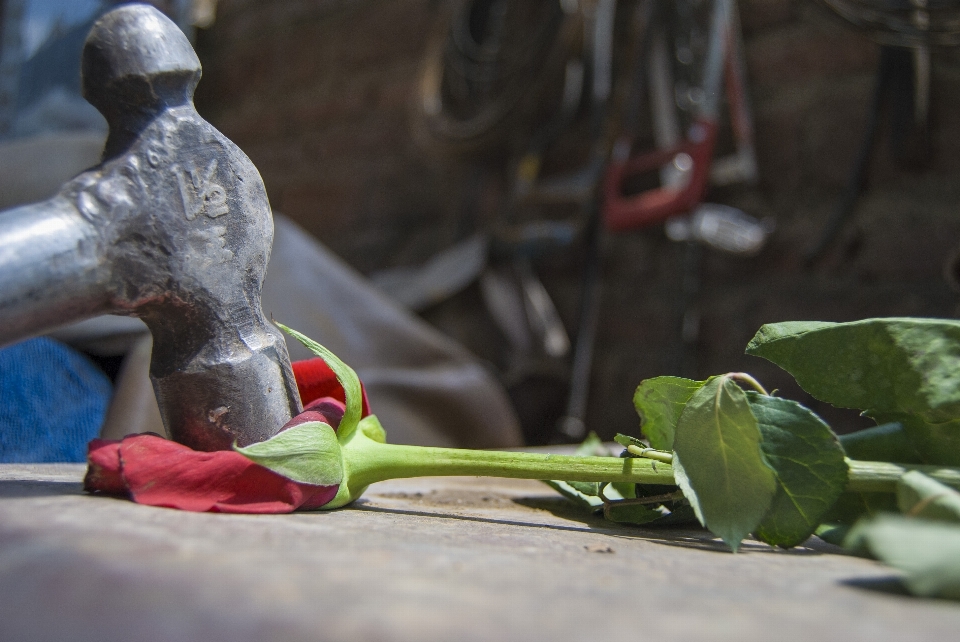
{"points": [[52, 402]]}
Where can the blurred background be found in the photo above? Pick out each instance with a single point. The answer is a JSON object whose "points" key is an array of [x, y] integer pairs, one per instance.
{"points": [[582, 193]]}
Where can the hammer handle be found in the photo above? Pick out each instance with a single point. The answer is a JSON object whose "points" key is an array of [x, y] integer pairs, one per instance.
{"points": [[51, 272]]}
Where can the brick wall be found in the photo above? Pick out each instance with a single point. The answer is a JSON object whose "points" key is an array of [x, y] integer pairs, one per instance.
{"points": [[318, 94]]}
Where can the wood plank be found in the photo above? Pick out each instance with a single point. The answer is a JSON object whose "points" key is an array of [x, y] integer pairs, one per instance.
{"points": [[417, 560]]}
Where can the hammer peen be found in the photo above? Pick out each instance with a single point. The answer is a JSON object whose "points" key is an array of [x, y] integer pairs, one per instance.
{"points": [[173, 227]]}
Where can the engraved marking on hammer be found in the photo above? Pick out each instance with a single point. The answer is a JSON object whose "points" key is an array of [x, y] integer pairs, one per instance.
{"points": [[213, 243], [154, 157], [243, 322], [200, 194]]}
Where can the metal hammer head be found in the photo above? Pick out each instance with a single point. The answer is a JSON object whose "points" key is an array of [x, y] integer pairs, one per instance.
{"points": [[173, 227], [135, 63], [135, 59]]}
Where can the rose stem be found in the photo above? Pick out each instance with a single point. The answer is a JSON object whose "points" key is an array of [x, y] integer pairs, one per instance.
{"points": [[372, 462]]}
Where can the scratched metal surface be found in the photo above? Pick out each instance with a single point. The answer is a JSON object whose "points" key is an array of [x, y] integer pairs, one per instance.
{"points": [[417, 560]]}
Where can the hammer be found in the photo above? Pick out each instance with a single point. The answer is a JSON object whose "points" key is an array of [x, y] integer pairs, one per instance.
{"points": [[173, 226]]}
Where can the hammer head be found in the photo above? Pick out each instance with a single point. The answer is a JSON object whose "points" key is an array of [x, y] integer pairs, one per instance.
{"points": [[173, 227], [186, 229], [134, 59]]}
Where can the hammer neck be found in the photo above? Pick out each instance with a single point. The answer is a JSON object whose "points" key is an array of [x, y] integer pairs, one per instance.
{"points": [[201, 411], [125, 132], [135, 103]]}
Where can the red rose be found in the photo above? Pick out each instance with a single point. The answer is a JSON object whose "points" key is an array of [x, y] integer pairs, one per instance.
{"points": [[154, 471]]}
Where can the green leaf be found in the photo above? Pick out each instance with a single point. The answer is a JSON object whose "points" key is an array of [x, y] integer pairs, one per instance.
{"points": [[901, 365], [592, 446], [347, 378], [587, 494], [370, 428], [590, 501], [887, 442], [718, 462], [922, 496], [681, 514], [927, 552], [852, 506], [626, 490], [308, 453], [809, 466], [636, 514], [586, 488], [933, 443], [675, 514], [832, 533], [627, 440], [625, 512], [659, 402]]}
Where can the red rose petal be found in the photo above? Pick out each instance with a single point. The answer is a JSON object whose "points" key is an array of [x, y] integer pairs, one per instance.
{"points": [[305, 417], [315, 379], [103, 471], [157, 472], [332, 409]]}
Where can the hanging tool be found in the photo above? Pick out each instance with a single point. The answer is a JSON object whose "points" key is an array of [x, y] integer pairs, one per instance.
{"points": [[741, 165], [686, 165], [691, 157]]}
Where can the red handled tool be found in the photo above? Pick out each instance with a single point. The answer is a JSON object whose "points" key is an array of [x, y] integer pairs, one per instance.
{"points": [[691, 156]]}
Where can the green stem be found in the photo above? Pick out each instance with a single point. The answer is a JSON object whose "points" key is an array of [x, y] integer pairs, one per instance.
{"points": [[367, 461], [390, 461], [881, 477], [650, 453], [747, 379]]}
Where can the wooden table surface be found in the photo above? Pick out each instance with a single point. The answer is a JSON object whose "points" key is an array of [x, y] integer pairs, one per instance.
{"points": [[418, 560]]}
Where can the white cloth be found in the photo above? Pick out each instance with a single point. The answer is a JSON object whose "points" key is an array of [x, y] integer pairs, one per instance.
{"points": [[425, 388]]}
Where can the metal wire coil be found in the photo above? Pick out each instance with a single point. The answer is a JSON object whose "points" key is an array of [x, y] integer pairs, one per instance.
{"points": [[903, 23]]}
